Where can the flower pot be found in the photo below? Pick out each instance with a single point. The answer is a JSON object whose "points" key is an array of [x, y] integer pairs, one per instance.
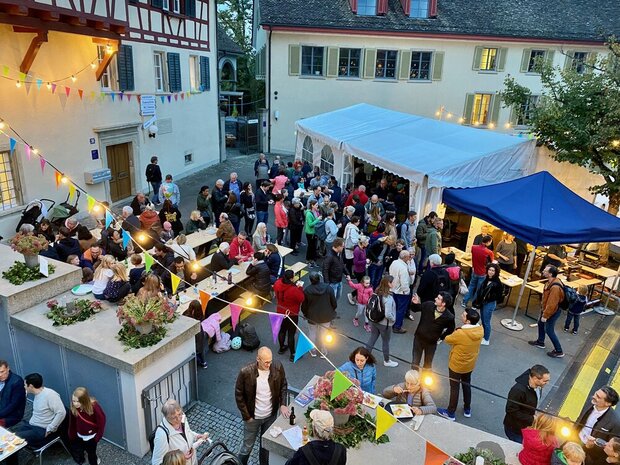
{"points": [[340, 418], [144, 328], [32, 260]]}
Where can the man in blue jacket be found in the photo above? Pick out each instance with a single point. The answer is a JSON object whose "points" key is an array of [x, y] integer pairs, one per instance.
{"points": [[12, 396]]}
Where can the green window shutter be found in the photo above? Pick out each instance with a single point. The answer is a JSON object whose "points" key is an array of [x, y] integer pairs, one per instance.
{"points": [[294, 60], [496, 104], [437, 65], [477, 57], [525, 60], [370, 60], [205, 77], [469, 107], [501, 59], [332, 61], [174, 72], [405, 64], [549, 55], [568, 62], [124, 61]]}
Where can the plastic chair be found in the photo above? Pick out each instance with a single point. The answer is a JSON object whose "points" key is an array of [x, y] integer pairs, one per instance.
{"points": [[38, 453]]}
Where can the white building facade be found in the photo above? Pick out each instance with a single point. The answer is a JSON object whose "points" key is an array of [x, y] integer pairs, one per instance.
{"points": [[431, 58], [82, 83]]}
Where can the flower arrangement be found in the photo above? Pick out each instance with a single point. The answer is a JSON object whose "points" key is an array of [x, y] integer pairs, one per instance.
{"points": [[347, 403], [72, 312], [19, 273], [143, 321], [28, 244]]}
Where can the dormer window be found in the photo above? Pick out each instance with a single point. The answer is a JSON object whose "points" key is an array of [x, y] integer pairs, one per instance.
{"points": [[367, 7], [418, 9]]}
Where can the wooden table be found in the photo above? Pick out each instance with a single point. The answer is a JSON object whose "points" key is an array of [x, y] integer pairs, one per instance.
{"points": [[14, 448], [538, 287]]}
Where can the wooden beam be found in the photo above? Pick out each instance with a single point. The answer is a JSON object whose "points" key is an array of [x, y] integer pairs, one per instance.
{"points": [[106, 60], [77, 21], [31, 54], [49, 16], [17, 10], [102, 25], [27, 30]]}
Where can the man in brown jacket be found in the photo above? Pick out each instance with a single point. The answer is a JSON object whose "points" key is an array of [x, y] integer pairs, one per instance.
{"points": [[465, 342], [553, 295], [260, 392]]}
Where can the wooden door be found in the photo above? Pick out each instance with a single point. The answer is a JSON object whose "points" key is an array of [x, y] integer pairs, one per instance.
{"points": [[118, 162]]}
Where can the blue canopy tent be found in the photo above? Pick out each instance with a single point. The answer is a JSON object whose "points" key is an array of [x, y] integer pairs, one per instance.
{"points": [[538, 209]]}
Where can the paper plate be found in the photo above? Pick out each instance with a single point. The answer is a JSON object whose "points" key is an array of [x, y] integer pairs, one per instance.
{"points": [[82, 289]]}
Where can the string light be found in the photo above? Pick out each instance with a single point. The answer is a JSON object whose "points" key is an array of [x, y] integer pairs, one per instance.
{"points": [[64, 179], [437, 113], [615, 143], [249, 301], [476, 123], [96, 208], [48, 85], [2, 125], [108, 49], [195, 266], [565, 431], [461, 120], [329, 338], [142, 237], [35, 151], [491, 125], [73, 78], [428, 380], [507, 125], [18, 84], [449, 115], [93, 65]]}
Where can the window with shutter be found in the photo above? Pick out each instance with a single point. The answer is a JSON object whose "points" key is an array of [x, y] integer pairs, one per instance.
{"points": [[437, 65], [205, 74], [432, 9], [382, 7], [332, 62], [124, 60], [367, 7], [174, 72], [312, 61], [496, 104], [157, 3], [385, 64], [349, 62], [190, 8], [420, 67], [419, 9], [478, 110], [370, 57], [523, 117], [159, 71]]}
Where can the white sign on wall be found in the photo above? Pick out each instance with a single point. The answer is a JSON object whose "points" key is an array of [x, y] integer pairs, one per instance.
{"points": [[147, 105]]}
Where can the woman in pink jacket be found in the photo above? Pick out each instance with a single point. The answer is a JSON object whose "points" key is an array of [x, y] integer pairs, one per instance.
{"points": [[364, 291], [281, 212], [539, 441]]}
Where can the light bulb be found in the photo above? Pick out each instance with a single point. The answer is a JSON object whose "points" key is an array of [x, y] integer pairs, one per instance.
{"points": [[248, 301], [64, 179], [449, 115], [2, 125], [507, 125], [97, 208], [141, 237], [73, 78], [491, 125], [35, 151], [461, 120], [565, 431], [428, 380], [48, 85], [476, 123], [93, 65], [329, 338], [108, 49], [437, 113], [18, 84], [195, 266]]}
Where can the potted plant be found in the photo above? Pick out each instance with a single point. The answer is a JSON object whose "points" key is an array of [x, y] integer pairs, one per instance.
{"points": [[29, 246], [344, 405], [143, 321], [72, 312]]}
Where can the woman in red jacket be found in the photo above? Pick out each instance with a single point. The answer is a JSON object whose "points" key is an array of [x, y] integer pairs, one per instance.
{"points": [[539, 441], [281, 212], [86, 426], [289, 297]]}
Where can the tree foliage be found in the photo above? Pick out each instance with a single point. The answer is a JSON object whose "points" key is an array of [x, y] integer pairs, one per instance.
{"points": [[578, 117], [235, 16]]}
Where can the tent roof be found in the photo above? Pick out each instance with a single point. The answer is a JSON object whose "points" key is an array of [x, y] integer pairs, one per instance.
{"points": [[538, 209], [413, 147]]}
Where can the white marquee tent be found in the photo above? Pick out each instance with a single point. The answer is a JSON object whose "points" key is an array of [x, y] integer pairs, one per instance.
{"points": [[431, 154]]}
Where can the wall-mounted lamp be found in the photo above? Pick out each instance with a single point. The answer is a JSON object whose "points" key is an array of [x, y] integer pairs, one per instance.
{"points": [[153, 130]]}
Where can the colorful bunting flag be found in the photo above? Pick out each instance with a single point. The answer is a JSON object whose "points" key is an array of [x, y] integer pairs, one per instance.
{"points": [[90, 201], [53, 88], [12, 144], [303, 345], [182, 95], [67, 90], [39, 83], [108, 218], [434, 455], [129, 97], [22, 76], [80, 93], [92, 94], [148, 261], [58, 177], [5, 71], [276, 322], [121, 96], [42, 162], [204, 300], [169, 97], [112, 95], [139, 97], [27, 149], [126, 238], [176, 97], [384, 421], [175, 280], [71, 191], [340, 384], [235, 312], [162, 98]]}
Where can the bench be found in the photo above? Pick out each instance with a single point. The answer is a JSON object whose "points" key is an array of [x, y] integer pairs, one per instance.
{"points": [[297, 267]]}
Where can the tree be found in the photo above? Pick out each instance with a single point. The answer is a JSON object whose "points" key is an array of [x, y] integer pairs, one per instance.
{"points": [[578, 117], [235, 16]]}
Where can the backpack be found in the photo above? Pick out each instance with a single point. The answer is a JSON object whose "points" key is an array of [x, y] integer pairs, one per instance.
{"points": [[375, 310], [570, 296], [442, 283], [399, 229], [319, 230], [152, 436], [249, 338]]}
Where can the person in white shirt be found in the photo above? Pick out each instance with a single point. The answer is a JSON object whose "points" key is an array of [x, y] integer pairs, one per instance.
{"points": [[599, 421], [48, 412], [260, 392], [399, 270], [181, 249]]}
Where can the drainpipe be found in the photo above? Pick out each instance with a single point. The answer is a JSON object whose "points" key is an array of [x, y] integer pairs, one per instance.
{"points": [[217, 82], [269, 95]]}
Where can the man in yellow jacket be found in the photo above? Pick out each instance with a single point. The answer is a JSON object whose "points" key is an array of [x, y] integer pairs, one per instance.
{"points": [[465, 342]]}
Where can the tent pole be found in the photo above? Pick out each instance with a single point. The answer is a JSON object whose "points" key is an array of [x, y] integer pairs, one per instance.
{"points": [[511, 323], [613, 287]]}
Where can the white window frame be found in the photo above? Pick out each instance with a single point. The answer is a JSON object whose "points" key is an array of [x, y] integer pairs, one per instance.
{"points": [[176, 6], [327, 164], [313, 71], [531, 64], [523, 119], [579, 65], [109, 78], [10, 186], [194, 73], [418, 9], [367, 7], [307, 150], [488, 54], [481, 109], [430, 66], [160, 82]]}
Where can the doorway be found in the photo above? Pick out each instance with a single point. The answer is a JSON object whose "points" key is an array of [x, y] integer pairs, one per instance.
{"points": [[119, 164]]}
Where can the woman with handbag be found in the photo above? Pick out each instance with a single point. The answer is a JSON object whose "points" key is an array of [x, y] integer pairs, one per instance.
{"points": [[489, 294], [86, 426], [248, 206]]}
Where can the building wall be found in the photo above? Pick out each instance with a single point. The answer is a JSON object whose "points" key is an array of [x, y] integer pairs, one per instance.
{"points": [[62, 127], [297, 95]]}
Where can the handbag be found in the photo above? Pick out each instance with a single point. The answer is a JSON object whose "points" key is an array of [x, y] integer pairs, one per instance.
{"points": [[463, 287], [250, 213]]}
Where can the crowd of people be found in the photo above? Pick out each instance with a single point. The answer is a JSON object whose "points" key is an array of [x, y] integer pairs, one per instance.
{"points": [[391, 262]]}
